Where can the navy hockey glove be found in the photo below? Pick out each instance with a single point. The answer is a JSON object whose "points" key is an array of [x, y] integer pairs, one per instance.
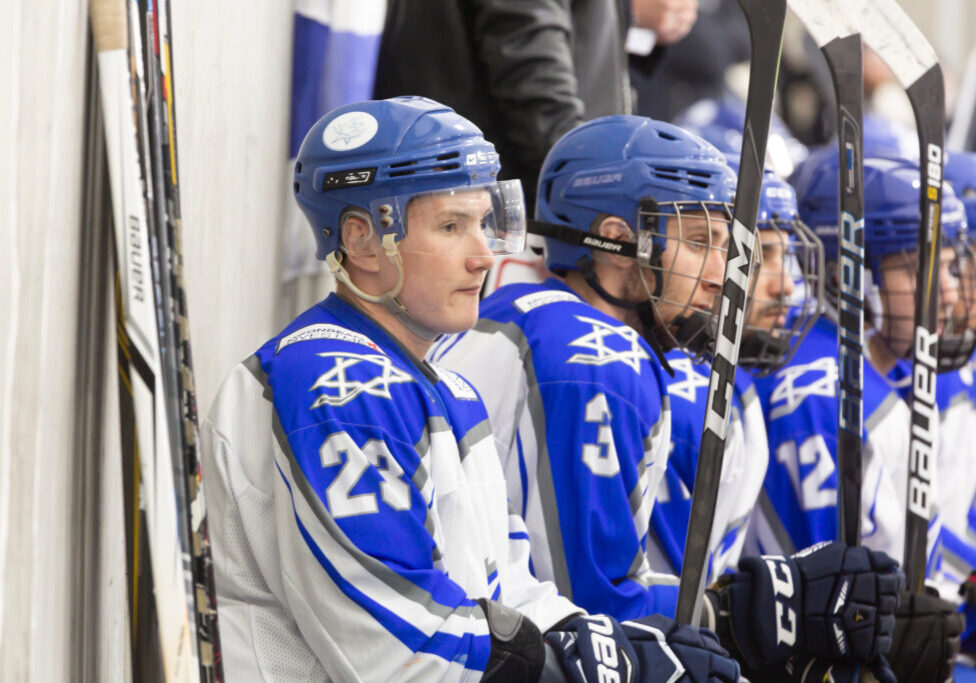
{"points": [[926, 639], [830, 601], [649, 650]]}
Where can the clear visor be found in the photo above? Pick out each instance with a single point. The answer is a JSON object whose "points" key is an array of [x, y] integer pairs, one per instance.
{"points": [[484, 220]]}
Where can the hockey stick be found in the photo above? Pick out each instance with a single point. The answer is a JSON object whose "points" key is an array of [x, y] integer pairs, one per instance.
{"points": [[837, 35], [766, 19], [888, 31], [195, 542], [146, 435]]}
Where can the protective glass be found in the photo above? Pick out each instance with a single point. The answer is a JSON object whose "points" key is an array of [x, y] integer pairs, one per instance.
{"points": [[958, 339], [895, 322], [785, 293], [682, 249], [465, 221]]}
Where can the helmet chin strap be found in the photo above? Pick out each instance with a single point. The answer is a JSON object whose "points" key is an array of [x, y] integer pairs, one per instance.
{"points": [[388, 299]]}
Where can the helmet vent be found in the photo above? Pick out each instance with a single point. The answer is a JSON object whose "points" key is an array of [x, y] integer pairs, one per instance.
{"points": [[665, 135], [449, 155], [401, 164]]}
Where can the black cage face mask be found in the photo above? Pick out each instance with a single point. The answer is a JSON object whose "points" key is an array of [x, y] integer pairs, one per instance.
{"points": [[958, 339], [786, 293]]}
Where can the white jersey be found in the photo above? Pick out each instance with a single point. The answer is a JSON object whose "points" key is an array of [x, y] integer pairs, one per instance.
{"points": [[357, 510], [956, 474]]}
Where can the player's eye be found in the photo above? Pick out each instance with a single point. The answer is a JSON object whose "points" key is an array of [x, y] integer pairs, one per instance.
{"points": [[451, 227]]}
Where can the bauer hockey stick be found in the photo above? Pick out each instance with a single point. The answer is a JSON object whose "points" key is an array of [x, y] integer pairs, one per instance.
{"points": [[836, 32], [765, 19], [147, 432], [888, 31]]}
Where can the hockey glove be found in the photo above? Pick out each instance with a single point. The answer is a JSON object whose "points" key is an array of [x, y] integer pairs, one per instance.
{"points": [[653, 649], [968, 592], [517, 650], [926, 639], [830, 601]]}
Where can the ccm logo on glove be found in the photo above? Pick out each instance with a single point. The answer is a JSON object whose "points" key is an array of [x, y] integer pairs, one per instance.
{"points": [[782, 578]]}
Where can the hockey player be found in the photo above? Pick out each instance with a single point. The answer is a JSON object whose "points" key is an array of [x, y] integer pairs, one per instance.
{"points": [[786, 292], [359, 521], [955, 397], [636, 216], [798, 504]]}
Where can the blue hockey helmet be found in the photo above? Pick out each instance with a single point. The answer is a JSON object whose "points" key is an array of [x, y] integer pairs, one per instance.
{"points": [[611, 164], [891, 226], [371, 159], [377, 155], [652, 175], [891, 209]]}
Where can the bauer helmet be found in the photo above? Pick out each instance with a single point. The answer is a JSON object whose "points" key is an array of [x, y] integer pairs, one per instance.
{"points": [[372, 158], [891, 225], [651, 174]]}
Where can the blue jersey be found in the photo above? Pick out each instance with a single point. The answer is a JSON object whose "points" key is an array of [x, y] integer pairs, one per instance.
{"points": [[581, 422], [743, 468], [798, 505], [357, 512]]}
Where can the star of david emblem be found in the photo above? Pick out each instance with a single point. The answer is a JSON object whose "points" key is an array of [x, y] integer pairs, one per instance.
{"points": [[603, 355], [347, 131], [347, 388], [792, 395], [688, 387]]}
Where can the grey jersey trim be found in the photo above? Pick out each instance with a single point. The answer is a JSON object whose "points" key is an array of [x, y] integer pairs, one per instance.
{"points": [[253, 365], [547, 490], [474, 436], [782, 536], [379, 570], [748, 396], [881, 412]]}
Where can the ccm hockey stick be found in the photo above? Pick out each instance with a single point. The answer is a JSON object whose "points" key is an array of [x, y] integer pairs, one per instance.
{"points": [[765, 19], [888, 31], [836, 32], [152, 430]]}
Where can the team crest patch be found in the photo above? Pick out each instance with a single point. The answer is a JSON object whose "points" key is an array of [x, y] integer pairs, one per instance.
{"points": [[375, 375], [686, 388], [536, 299], [789, 394], [456, 384], [349, 131], [596, 341], [325, 331]]}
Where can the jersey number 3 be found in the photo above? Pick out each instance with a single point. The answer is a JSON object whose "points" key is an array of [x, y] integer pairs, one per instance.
{"points": [[600, 457]]}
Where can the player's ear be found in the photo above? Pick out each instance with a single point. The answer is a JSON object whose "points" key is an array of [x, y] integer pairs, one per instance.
{"points": [[360, 244], [614, 228]]}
